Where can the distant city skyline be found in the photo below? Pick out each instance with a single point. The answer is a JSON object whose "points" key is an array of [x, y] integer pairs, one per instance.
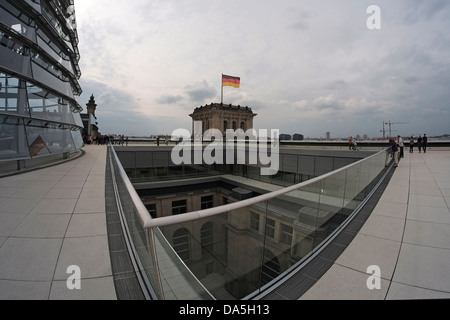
{"points": [[305, 67]]}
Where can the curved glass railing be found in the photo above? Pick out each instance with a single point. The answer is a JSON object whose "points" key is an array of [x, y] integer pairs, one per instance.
{"points": [[235, 250], [157, 266]]}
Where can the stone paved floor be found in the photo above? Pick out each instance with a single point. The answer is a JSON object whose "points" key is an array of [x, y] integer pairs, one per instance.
{"points": [[407, 236]]}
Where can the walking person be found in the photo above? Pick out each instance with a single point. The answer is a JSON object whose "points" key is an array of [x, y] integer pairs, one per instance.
{"points": [[411, 144], [419, 143], [394, 147], [424, 143], [401, 145], [355, 144], [393, 152], [350, 143]]}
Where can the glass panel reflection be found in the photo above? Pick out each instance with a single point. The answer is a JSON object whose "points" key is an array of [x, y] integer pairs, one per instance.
{"points": [[9, 89], [46, 138], [13, 144], [46, 105]]}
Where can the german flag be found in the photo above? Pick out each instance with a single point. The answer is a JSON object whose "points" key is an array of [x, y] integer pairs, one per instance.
{"points": [[230, 81], [37, 145]]}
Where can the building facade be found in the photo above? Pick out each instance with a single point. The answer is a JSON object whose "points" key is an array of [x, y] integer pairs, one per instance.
{"points": [[39, 74], [90, 121], [228, 248], [222, 117]]}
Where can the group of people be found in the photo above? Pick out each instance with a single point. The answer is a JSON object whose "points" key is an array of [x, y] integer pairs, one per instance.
{"points": [[397, 147], [166, 140], [422, 143], [105, 139], [352, 144]]}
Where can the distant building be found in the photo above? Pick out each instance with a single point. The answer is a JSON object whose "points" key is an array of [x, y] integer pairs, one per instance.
{"points": [[285, 137], [90, 120], [222, 117]]}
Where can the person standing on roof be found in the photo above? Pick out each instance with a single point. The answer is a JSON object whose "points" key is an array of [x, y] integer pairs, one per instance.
{"points": [[424, 143], [411, 144], [419, 143], [393, 151], [401, 145]]}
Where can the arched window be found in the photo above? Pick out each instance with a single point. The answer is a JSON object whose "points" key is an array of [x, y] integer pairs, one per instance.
{"points": [[225, 126], [181, 244], [243, 125], [207, 238], [234, 125]]}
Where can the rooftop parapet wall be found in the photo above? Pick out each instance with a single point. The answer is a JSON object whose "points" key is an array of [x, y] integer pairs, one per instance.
{"points": [[309, 162]]}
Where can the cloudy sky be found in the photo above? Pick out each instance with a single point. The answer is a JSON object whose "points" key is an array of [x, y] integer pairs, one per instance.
{"points": [[306, 66]]}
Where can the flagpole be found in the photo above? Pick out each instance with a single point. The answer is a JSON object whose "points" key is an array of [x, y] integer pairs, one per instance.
{"points": [[221, 85]]}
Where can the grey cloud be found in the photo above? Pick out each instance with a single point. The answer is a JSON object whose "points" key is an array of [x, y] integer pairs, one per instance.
{"points": [[300, 20], [336, 85], [95, 36], [117, 111], [410, 79], [169, 99], [200, 91], [409, 56], [327, 103], [116, 100], [427, 10], [254, 104]]}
